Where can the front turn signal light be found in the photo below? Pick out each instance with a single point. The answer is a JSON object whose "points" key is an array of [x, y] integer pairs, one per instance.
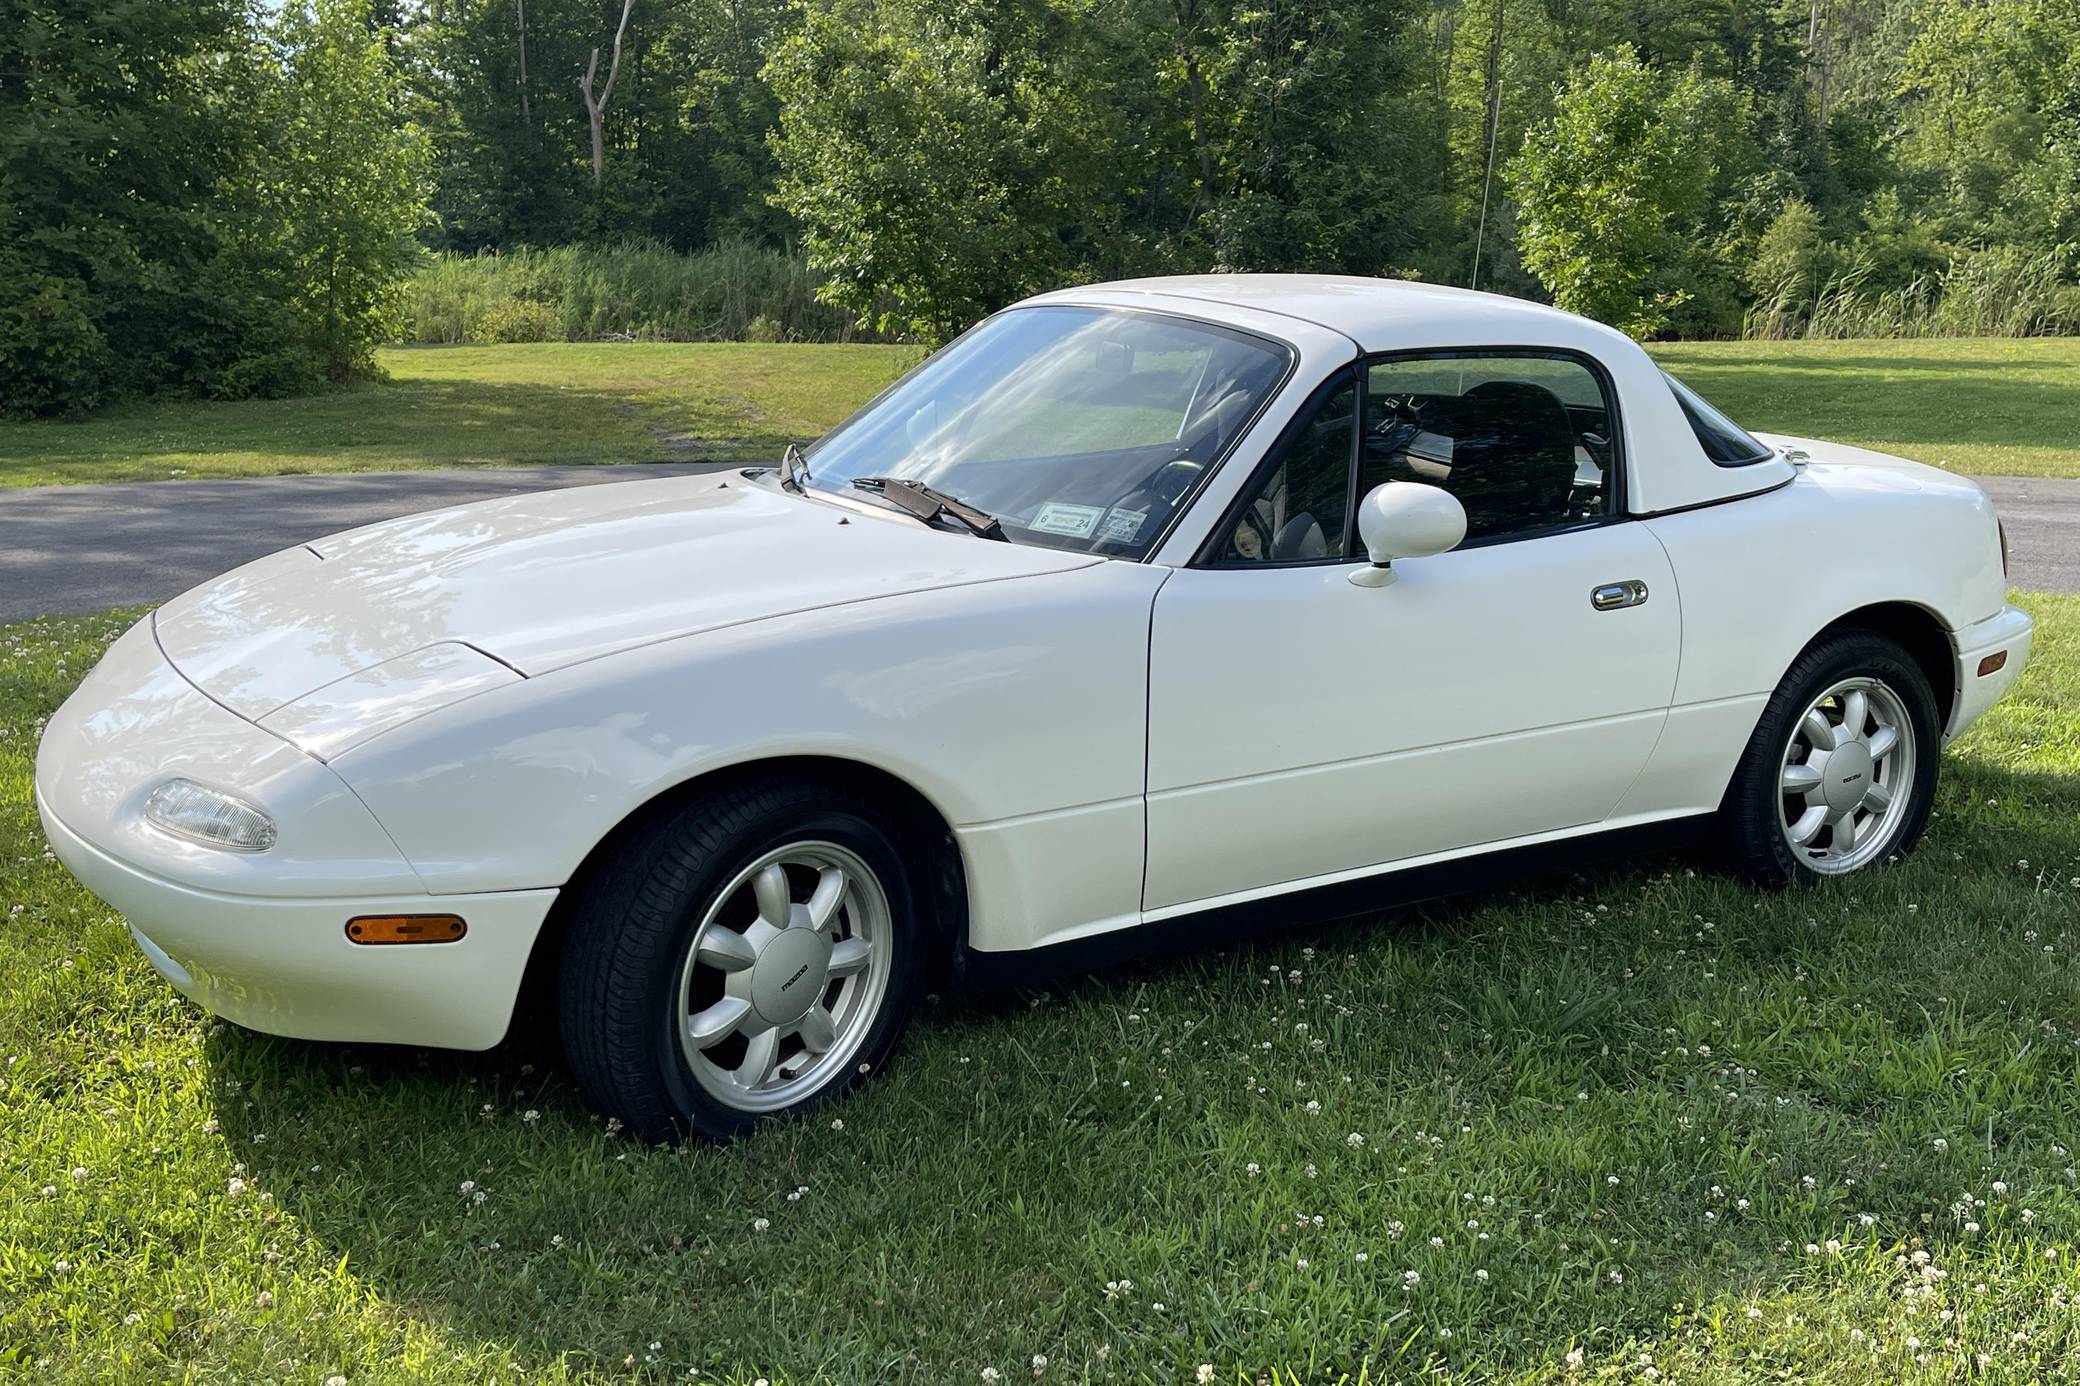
{"points": [[405, 928], [1993, 663]]}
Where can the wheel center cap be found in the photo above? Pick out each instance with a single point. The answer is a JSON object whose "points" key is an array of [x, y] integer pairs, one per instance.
{"points": [[1846, 777], [789, 975]]}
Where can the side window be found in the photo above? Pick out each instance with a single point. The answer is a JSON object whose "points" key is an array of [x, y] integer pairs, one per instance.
{"points": [[1524, 441], [1723, 440], [1301, 510]]}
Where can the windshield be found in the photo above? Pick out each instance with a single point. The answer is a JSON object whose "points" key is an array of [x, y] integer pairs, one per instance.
{"points": [[1078, 428], [1723, 440]]}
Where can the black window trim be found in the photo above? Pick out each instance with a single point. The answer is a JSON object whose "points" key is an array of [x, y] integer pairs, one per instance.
{"points": [[1209, 556]]}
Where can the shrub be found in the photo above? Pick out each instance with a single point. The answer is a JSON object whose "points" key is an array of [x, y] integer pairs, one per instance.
{"points": [[517, 320], [735, 291]]}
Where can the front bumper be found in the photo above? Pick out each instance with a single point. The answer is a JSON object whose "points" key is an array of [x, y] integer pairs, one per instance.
{"points": [[260, 937], [2006, 634], [285, 966]]}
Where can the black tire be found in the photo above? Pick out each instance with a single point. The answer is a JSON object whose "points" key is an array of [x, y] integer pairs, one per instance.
{"points": [[1750, 830], [631, 930]]}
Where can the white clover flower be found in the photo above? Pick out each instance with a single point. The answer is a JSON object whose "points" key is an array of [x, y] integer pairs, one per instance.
{"points": [[760, 1224], [79, 1174], [1205, 1373], [991, 1376], [1354, 1140], [1481, 1275], [1039, 1363]]}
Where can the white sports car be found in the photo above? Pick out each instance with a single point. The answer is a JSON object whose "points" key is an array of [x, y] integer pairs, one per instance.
{"points": [[1137, 602]]}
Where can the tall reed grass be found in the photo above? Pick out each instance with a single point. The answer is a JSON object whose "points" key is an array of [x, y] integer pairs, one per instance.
{"points": [[1988, 293], [639, 290]]}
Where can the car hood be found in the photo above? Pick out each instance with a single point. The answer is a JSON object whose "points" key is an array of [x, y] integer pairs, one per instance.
{"points": [[519, 586]]}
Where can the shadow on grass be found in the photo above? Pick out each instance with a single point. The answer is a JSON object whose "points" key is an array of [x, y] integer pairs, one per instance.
{"points": [[978, 1192]]}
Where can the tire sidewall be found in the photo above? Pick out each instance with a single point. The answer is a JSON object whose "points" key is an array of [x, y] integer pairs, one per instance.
{"points": [[811, 819], [1847, 656]]}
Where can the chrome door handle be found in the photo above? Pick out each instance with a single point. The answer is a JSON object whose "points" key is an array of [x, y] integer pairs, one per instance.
{"points": [[1615, 596]]}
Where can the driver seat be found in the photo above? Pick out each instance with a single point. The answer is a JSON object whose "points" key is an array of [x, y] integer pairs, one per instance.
{"points": [[1512, 457]]}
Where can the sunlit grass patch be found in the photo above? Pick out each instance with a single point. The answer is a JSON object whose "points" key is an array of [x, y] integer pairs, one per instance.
{"points": [[1643, 1115]]}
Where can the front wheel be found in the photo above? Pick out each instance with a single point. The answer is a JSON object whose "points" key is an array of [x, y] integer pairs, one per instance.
{"points": [[1841, 770], [749, 955]]}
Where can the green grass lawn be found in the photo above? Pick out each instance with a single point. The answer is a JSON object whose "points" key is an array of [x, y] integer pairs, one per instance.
{"points": [[1646, 1115], [1994, 406], [472, 406]]}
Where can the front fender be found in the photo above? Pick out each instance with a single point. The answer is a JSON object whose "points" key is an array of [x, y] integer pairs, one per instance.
{"points": [[997, 701]]}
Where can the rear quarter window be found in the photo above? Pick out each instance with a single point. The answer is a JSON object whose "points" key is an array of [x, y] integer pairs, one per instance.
{"points": [[1723, 440]]}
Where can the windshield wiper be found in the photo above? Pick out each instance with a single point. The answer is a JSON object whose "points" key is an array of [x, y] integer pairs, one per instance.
{"points": [[928, 505], [794, 469]]}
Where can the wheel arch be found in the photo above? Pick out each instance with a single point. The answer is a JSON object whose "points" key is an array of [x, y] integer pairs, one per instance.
{"points": [[1918, 631], [921, 826]]}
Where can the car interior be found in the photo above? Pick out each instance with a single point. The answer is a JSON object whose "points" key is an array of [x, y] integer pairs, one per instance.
{"points": [[1516, 453]]}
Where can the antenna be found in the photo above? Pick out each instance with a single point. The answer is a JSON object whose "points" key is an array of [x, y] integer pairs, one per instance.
{"points": [[1480, 235]]}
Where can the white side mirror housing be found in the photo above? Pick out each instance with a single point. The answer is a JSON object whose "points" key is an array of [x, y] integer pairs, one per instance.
{"points": [[1405, 519]]}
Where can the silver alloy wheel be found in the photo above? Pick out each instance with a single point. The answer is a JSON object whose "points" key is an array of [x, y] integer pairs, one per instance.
{"points": [[1846, 779], [784, 977]]}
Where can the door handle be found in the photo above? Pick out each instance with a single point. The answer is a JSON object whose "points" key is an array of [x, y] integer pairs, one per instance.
{"points": [[1615, 596]]}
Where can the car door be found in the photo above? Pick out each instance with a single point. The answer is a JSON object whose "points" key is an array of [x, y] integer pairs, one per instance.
{"points": [[1304, 729]]}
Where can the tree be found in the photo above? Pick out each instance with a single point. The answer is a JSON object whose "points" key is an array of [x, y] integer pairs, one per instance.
{"points": [[943, 158], [351, 191], [596, 106], [119, 123], [1614, 188]]}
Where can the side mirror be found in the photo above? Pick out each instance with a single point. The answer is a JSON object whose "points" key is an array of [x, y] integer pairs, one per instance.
{"points": [[1405, 519]]}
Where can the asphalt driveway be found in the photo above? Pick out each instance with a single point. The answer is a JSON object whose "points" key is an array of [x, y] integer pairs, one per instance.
{"points": [[70, 549]]}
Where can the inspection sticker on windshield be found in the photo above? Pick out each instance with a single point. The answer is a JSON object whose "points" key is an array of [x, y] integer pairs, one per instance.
{"points": [[1059, 517], [1122, 526]]}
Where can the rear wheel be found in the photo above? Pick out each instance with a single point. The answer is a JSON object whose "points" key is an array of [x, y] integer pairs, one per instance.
{"points": [[749, 955], [1841, 769]]}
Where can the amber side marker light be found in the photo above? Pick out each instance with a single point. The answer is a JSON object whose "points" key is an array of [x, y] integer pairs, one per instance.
{"points": [[1993, 664], [406, 928]]}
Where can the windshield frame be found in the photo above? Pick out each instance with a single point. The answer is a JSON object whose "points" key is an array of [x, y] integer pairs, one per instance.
{"points": [[1287, 352]]}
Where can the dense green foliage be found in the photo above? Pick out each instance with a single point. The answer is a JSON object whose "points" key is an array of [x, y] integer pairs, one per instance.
{"points": [[1682, 167], [194, 199], [220, 197], [731, 291]]}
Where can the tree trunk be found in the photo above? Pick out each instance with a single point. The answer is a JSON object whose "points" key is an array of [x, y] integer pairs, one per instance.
{"points": [[596, 107], [520, 9]]}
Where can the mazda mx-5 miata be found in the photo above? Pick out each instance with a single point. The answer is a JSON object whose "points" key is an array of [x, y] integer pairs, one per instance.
{"points": [[1134, 603]]}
